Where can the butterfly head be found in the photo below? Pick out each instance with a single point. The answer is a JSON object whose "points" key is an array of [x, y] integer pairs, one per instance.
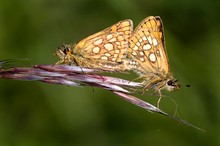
{"points": [[172, 84], [64, 52]]}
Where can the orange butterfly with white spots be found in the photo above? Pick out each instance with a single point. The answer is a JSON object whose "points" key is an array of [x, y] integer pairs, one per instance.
{"points": [[147, 56], [105, 50]]}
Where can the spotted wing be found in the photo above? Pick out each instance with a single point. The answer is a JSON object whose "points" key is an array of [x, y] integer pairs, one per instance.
{"points": [[109, 45], [147, 47]]}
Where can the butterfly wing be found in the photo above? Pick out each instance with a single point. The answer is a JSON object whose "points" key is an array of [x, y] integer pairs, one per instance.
{"points": [[147, 47], [109, 45]]}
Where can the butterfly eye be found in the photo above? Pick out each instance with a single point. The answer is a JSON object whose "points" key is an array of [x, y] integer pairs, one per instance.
{"points": [[66, 50], [173, 84], [170, 83]]}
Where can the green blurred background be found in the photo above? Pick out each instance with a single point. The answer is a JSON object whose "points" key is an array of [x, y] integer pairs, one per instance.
{"points": [[34, 113]]}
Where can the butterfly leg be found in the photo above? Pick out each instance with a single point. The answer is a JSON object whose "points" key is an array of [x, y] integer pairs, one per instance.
{"points": [[160, 95], [146, 88], [142, 92], [137, 78], [58, 62], [158, 101]]}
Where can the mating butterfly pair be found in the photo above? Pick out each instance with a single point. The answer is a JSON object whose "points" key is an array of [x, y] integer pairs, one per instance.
{"points": [[119, 48]]}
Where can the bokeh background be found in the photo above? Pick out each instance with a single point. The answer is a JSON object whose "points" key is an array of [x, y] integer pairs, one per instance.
{"points": [[34, 113]]}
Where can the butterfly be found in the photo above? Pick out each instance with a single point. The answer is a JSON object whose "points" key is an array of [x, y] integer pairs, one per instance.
{"points": [[147, 56], [104, 50]]}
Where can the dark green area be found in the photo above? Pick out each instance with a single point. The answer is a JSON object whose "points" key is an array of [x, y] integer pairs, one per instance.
{"points": [[33, 113]]}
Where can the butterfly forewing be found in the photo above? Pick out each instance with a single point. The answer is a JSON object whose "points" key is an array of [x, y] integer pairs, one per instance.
{"points": [[110, 44], [147, 46], [107, 48]]}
